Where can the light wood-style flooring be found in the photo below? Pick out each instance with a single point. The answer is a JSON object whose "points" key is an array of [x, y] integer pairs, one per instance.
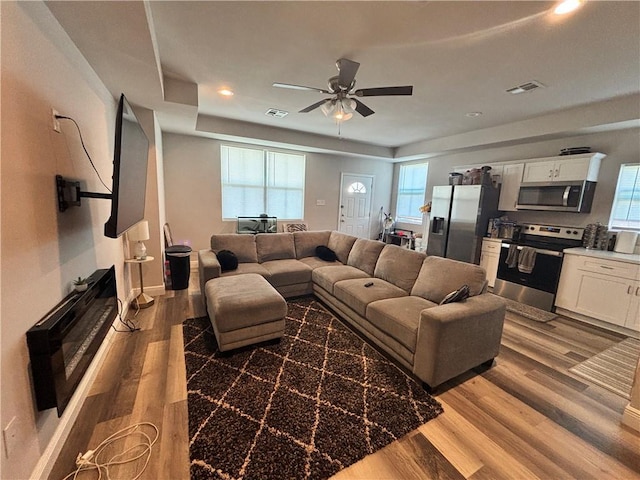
{"points": [[527, 417]]}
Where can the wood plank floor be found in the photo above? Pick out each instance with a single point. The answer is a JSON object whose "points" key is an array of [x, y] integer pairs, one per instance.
{"points": [[527, 417]]}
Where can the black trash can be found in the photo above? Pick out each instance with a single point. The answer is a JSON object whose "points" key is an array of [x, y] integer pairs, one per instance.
{"points": [[179, 265]]}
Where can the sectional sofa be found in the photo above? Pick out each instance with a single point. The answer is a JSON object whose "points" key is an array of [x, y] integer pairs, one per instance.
{"points": [[391, 295]]}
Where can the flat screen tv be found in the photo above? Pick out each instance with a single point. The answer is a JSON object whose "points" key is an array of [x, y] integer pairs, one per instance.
{"points": [[131, 152]]}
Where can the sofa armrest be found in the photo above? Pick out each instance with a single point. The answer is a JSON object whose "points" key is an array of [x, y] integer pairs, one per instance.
{"points": [[456, 337], [208, 268]]}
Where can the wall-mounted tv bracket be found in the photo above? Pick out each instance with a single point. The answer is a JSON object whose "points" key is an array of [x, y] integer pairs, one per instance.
{"points": [[69, 193]]}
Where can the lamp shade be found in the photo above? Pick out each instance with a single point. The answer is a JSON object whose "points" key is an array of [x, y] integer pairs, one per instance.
{"points": [[139, 232]]}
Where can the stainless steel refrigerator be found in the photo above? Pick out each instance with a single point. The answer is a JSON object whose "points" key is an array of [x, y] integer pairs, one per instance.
{"points": [[459, 218]]}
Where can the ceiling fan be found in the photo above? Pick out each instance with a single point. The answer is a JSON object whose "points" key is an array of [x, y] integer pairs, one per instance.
{"points": [[341, 87]]}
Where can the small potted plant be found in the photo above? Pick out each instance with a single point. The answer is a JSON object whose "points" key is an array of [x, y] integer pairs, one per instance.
{"points": [[80, 284]]}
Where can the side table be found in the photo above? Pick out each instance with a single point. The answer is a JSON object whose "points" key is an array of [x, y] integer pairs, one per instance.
{"points": [[143, 300]]}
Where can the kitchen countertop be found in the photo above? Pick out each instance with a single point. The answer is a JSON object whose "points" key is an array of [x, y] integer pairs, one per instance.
{"points": [[620, 257]]}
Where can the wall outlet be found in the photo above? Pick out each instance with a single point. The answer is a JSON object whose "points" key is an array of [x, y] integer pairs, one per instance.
{"points": [[321, 203], [10, 437], [56, 121]]}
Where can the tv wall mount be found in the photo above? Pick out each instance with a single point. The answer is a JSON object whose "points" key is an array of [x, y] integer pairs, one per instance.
{"points": [[69, 193]]}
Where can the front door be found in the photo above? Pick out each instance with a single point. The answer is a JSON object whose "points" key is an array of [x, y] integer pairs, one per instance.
{"points": [[355, 205]]}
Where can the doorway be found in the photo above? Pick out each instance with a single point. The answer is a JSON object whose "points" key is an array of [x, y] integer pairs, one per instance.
{"points": [[356, 192]]}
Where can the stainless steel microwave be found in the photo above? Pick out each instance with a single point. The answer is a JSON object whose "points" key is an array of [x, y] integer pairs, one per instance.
{"points": [[557, 196]]}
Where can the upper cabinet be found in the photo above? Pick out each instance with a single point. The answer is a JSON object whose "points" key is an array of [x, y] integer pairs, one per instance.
{"points": [[511, 179], [563, 169]]}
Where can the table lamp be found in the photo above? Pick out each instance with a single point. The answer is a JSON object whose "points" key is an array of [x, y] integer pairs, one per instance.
{"points": [[138, 233]]}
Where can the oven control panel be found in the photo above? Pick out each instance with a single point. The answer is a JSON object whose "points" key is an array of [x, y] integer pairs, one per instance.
{"points": [[554, 231]]}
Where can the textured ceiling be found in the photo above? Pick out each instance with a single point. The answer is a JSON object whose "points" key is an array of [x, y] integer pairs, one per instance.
{"points": [[459, 56]]}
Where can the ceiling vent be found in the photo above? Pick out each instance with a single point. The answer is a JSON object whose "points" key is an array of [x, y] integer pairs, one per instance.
{"points": [[525, 87], [274, 112]]}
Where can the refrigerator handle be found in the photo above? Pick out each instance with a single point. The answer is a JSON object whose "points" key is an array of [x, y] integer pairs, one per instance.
{"points": [[437, 225]]}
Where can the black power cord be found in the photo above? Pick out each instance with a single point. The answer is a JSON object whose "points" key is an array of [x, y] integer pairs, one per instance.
{"points": [[62, 117], [131, 326]]}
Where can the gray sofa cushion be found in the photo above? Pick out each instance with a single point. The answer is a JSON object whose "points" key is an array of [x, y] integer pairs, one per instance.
{"points": [[306, 242], [399, 317], [287, 272], [244, 246], [326, 277], [399, 266], [356, 296], [275, 246], [248, 268], [341, 243], [315, 262], [441, 276], [364, 254]]}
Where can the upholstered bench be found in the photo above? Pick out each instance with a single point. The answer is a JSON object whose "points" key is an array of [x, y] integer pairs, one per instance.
{"points": [[244, 310]]}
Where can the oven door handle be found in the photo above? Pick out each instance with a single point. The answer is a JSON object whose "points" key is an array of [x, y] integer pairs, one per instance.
{"points": [[541, 251]]}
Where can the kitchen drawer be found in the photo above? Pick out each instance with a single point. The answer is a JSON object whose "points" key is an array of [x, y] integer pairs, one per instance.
{"points": [[491, 246], [608, 267]]}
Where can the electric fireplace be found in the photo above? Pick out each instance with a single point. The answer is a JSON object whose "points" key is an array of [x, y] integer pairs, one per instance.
{"points": [[63, 343]]}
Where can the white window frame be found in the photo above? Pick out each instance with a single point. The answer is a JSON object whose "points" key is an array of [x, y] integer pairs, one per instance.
{"points": [[626, 201], [412, 217], [267, 182]]}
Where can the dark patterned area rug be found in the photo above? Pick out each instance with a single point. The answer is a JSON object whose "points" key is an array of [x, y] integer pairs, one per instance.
{"points": [[306, 407]]}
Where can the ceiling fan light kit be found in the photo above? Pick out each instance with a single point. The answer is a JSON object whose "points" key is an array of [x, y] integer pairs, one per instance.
{"points": [[341, 105]]}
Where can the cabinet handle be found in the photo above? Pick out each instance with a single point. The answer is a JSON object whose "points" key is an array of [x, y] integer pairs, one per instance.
{"points": [[637, 290], [557, 172], [551, 173], [629, 288], [607, 268]]}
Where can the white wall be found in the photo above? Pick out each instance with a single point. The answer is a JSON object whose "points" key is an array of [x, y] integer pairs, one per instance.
{"points": [[194, 202], [44, 250]]}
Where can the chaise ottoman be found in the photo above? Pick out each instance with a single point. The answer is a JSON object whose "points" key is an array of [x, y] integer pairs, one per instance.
{"points": [[244, 310]]}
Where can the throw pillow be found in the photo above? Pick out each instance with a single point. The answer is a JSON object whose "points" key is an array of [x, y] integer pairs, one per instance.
{"points": [[228, 260], [457, 295], [326, 254]]}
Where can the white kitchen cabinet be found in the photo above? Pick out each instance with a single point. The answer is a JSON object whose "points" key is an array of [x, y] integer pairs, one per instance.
{"points": [[490, 257], [601, 288], [563, 169], [511, 179]]}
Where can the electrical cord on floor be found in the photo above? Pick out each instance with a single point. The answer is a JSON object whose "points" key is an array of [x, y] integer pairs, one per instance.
{"points": [[63, 117], [92, 461], [131, 326]]}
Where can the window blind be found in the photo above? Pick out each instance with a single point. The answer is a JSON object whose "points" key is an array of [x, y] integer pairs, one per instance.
{"points": [[412, 184], [256, 181], [625, 212]]}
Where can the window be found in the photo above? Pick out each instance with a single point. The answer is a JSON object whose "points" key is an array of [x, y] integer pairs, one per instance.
{"points": [[258, 181], [357, 187], [412, 184], [625, 212]]}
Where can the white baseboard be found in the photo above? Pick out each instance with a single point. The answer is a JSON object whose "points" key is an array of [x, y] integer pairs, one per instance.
{"points": [[153, 290], [631, 417], [67, 420]]}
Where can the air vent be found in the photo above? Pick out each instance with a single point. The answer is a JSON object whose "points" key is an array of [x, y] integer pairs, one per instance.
{"points": [[274, 112], [525, 87]]}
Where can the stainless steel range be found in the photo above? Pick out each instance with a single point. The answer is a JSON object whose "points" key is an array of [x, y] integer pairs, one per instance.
{"points": [[531, 278]]}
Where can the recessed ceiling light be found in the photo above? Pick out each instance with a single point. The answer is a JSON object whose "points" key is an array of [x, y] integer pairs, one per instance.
{"points": [[225, 92], [473, 114], [567, 6]]}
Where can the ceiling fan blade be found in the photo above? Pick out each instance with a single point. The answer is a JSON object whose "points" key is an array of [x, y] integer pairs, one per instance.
{"points": [[348, 69], [300, 87], [382, 91], [314, 106], [362, 109]]}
